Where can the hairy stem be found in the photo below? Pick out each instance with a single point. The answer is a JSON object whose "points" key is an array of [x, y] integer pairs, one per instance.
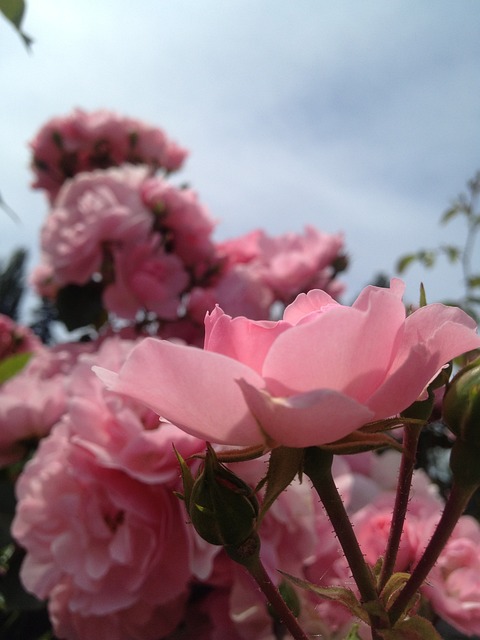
{"points": [[248, 555], [318, 467], [454, 507], [411, 435]]}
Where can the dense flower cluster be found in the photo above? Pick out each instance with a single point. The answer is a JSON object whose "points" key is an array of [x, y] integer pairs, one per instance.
{"points": [[84, 141], [247, 346], [145, 247]]}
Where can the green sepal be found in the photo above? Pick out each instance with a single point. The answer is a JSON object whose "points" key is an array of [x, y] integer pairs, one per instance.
{"points": [[421, 409], [423, 296], [359, 441], [187, 479], [284, 464]]}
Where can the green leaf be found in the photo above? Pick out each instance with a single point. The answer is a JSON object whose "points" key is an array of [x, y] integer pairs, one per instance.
{"points": [[12, 365], [416, 628], [427, 257], [14, 10], [405, 261], [451, 213], [474, 281], [338, 594], [283, 466], [452, 252]]}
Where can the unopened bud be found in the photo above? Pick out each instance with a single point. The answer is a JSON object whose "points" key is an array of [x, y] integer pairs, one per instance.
{"points": [[222, 507], [461, 405]]}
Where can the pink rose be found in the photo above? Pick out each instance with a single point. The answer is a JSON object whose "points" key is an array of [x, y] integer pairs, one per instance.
{"points": [[374, 521], [146, 278], [185, 223], [312, 378], [106, 538], [287, 264], [84, 141], [453, 585], [35, 399], [112, 542], [92, 211]]}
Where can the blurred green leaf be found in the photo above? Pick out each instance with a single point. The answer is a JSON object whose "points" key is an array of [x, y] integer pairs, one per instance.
{"points": [[14, 10], [427, 257], [405, 261], [12, 365], [452, 252], [474, 281], [353, 634], [451, 213]]}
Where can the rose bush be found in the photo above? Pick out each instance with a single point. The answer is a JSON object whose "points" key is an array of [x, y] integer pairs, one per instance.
{"points": [[312, 378]]}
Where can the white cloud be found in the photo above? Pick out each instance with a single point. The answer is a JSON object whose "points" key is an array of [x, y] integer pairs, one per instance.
{"points": [[360, 117]]}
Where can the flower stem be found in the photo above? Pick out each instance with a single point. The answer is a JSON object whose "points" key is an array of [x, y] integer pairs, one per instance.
{"points": [[454, 507], [318, 467], [253, 564], [411, 435]]}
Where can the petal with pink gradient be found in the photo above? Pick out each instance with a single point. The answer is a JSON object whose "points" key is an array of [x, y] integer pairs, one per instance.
{"points": [[308, 419], [307, 303], [433, 336], [241, 339], [194, 389], [344, 348]]}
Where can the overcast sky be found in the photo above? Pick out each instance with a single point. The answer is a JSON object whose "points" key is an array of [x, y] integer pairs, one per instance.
{"points": [[356, 116]]}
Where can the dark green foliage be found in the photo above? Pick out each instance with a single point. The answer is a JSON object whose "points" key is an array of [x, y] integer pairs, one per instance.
{"points": [[12, 283], [81, 305]]}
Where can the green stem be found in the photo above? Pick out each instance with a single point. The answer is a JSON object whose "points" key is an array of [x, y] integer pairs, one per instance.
{"points": [[454, 507], [250, 559], [411, 435], [318, 467]]}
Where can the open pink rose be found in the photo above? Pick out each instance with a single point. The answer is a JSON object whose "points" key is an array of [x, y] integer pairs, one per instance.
{"points": [[309, 379], [453, 585]]}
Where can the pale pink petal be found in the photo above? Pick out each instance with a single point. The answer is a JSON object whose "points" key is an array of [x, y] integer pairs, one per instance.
{"points": [[344, 348], [309, 419], [194, 389], [433, 336], [307, 303], [240, 338]]}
